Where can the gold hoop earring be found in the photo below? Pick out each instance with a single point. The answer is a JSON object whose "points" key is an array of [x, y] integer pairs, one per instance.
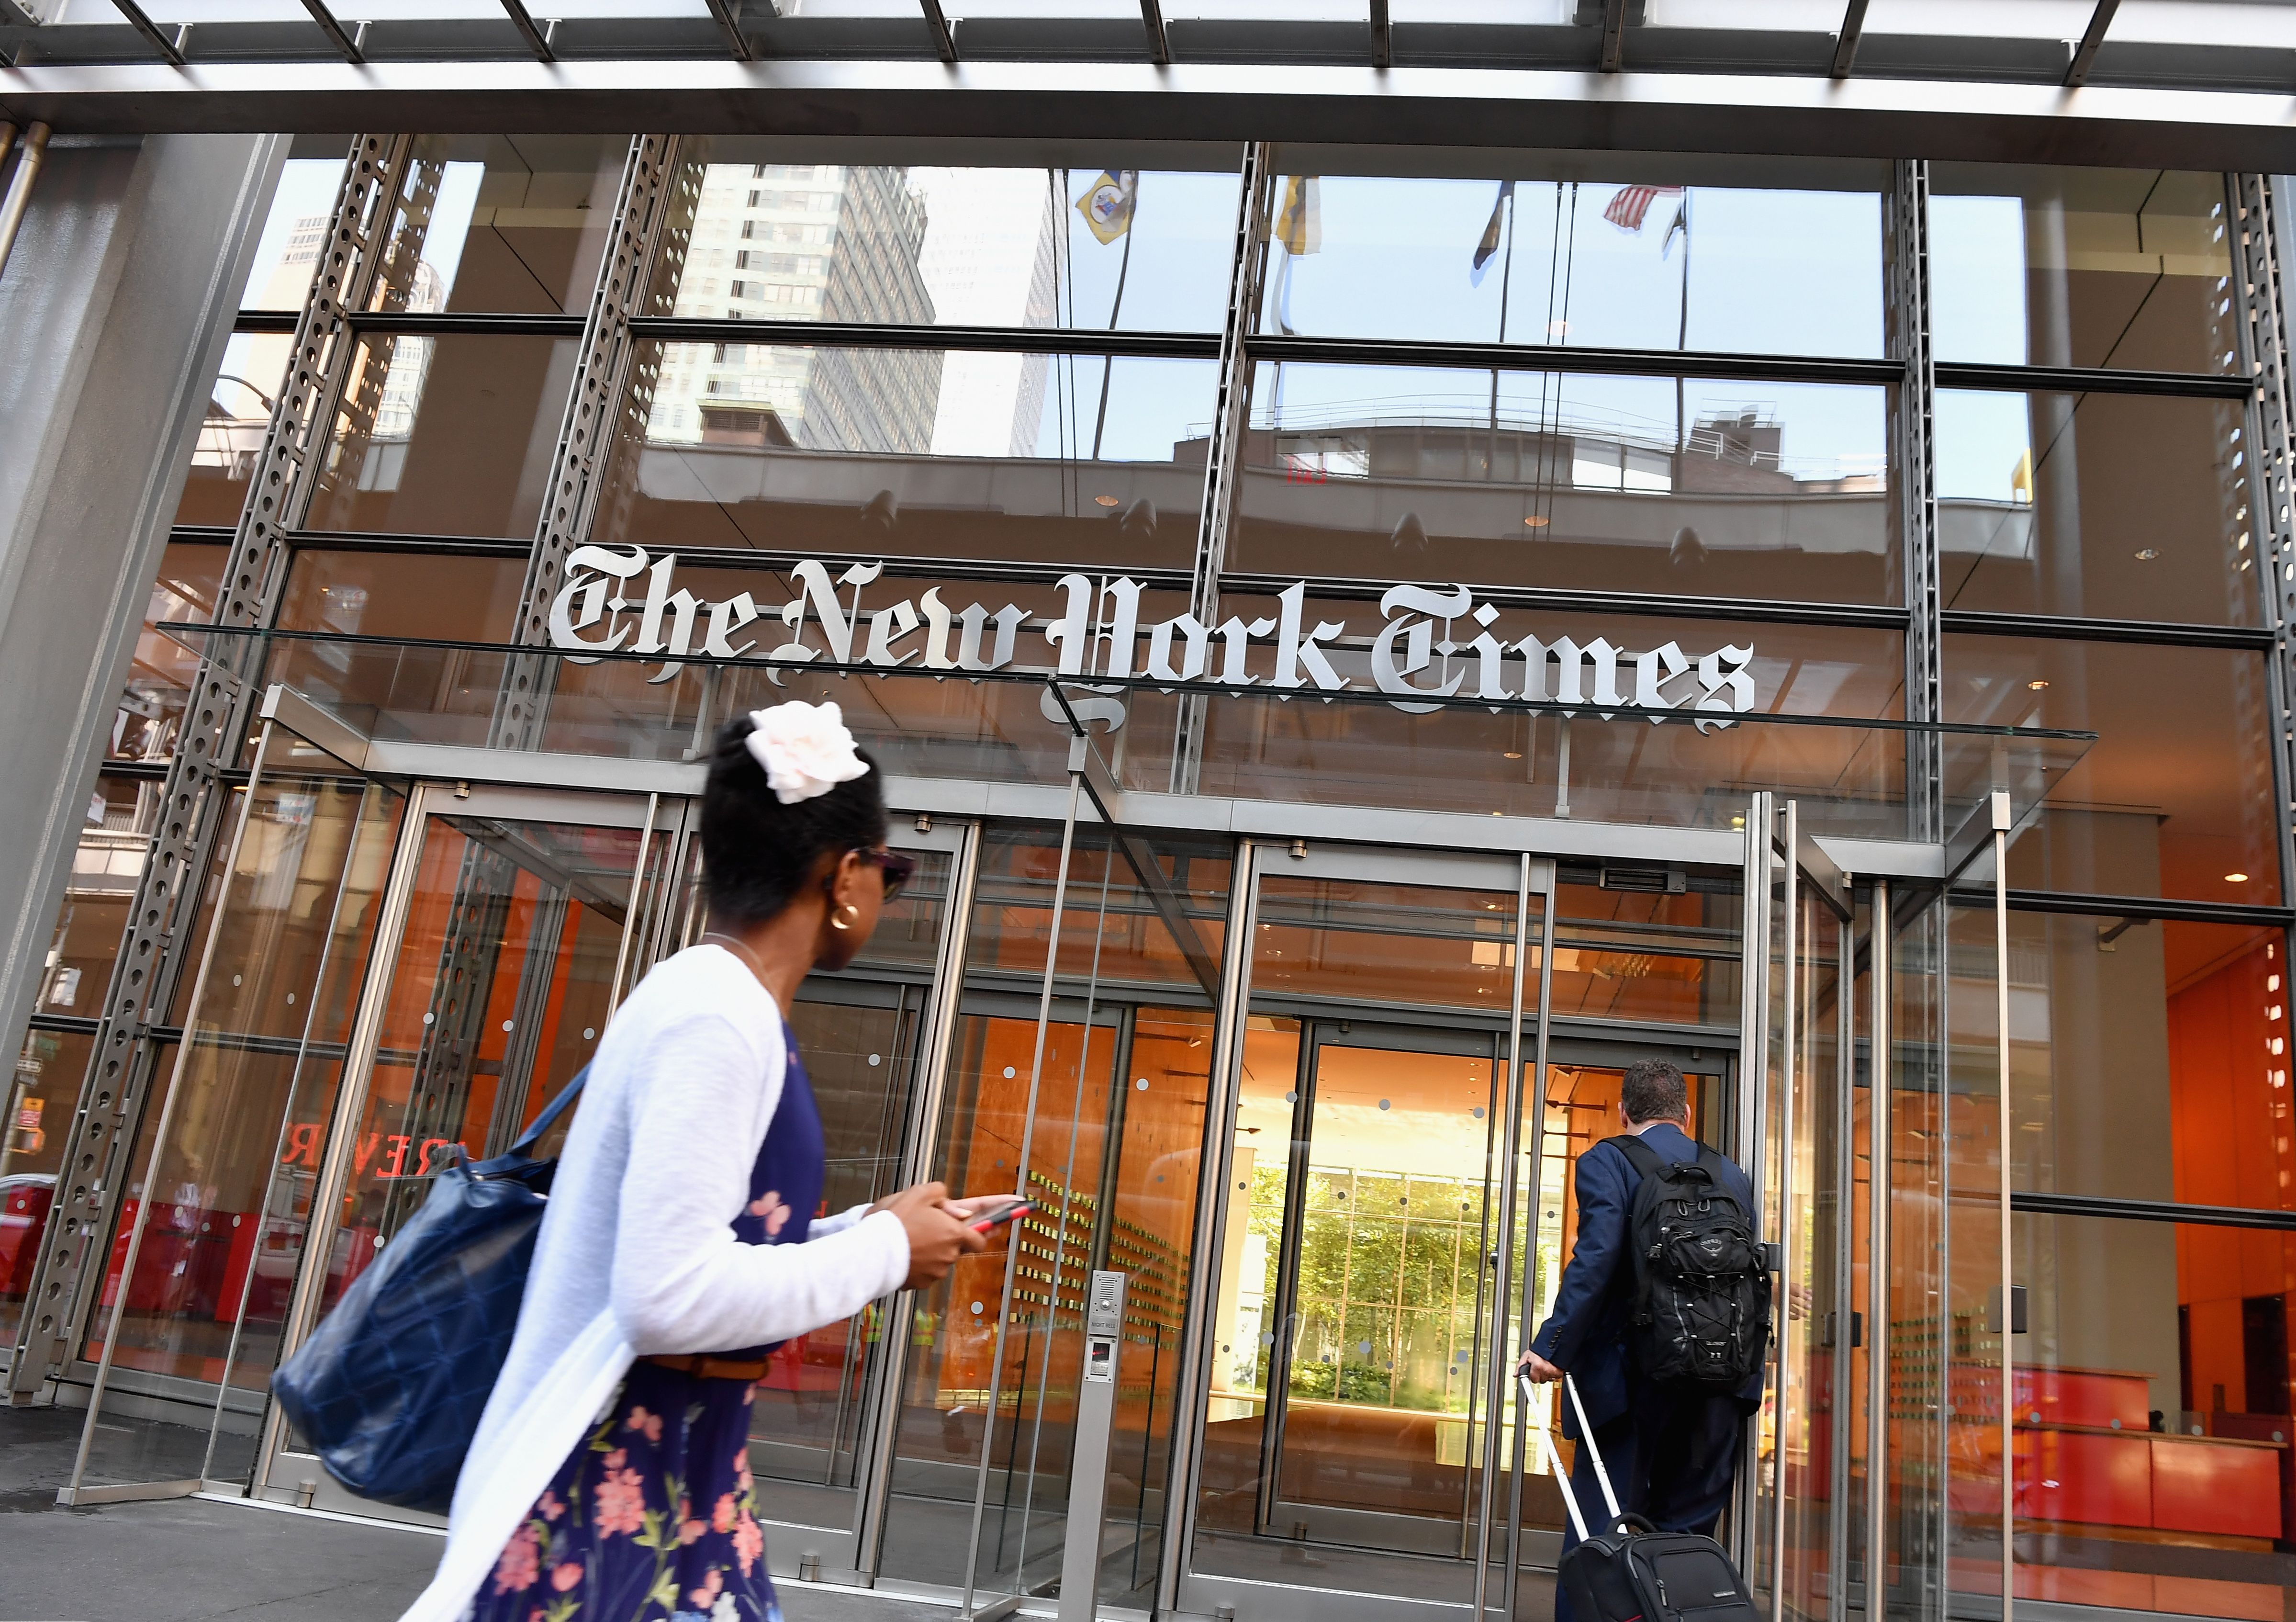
{"points": [[840, 924]]}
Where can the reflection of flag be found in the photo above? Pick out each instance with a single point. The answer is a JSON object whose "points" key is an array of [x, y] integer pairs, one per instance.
{"points": [[1633, 202], [1490, 245], [1300, 223], [1108, 203]]}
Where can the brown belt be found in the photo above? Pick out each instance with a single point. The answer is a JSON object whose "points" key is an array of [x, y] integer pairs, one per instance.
{"points": [[713, 1368]]}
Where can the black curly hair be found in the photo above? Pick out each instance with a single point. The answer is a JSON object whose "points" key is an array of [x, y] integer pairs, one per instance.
{"points": [[757, 853]]}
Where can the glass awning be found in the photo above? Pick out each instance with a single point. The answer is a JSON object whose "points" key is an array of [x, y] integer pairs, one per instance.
{"points": [[1610, 762]]}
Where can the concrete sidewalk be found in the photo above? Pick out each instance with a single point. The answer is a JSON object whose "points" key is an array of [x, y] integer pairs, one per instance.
{"points": [[189, 1560]]}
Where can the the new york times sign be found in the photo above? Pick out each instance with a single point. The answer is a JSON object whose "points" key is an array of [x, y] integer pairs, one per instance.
{"points": [[1432, 643]]}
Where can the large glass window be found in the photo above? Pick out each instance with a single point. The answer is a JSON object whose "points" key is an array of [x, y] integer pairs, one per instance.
{"points": [[2174, 799], [1610, 251], [2081, 268], [1681, 486], [2152, 1431], [150, 712], [504, 224], [930, 453], [2121, 507], [450, 435], [769, 239], [294, 232], [2148, 1058]]}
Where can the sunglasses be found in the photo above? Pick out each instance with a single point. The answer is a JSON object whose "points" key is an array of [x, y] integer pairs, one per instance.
{"points": [[897, 868]]}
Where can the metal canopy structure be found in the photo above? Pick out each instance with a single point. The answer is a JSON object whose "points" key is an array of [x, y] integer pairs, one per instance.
{"points": [[2206, 82]]}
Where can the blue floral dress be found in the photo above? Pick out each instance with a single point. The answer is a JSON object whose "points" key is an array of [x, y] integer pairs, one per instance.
{"points": [[653, 1517]]}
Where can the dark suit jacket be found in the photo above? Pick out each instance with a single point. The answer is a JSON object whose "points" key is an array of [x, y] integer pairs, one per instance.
{"points": [[1585, 1337]]}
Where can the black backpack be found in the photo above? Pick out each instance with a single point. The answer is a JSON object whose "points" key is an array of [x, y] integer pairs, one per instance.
{"points": [[1702, 1304]]}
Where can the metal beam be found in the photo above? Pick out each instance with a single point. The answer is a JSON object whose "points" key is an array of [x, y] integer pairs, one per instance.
{"points": [[1159, 39], [944, 37], [535, 41], [144, 25], [333, 31], [729, 22], [2092, 37], [1845, 43], [1614, 34], [1790, 115], [1383, 36]]}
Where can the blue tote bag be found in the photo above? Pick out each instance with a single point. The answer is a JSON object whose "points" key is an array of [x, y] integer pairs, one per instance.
{"points": [[388, 1390]]}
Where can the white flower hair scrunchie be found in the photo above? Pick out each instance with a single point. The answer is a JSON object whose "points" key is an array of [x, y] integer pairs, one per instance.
{"points": [[805, 749]]}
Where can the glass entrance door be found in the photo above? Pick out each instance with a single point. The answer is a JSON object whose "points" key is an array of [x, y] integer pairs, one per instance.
{"points": [[1372, 1235], [1380, 1217], [506, 940]]}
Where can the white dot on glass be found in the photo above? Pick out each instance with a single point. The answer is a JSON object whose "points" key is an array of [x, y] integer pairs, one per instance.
{"points": [[1291, 1097], [1142, 1083], [1478, 1112], [378, 1241], [290, 1000], [1008, 1073], [979, 1306], [429, 1018], [874, 1057], [235, 979], [505, 1026], [589, 1033], [1382, 1103]]}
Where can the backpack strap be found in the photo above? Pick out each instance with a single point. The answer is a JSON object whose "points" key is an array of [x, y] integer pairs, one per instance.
{"points": [[1647, 1161], [556, 1108]]}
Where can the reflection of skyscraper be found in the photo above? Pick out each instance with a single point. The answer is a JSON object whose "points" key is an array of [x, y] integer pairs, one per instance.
{"points": [[983, 272], [410, 361], [807, 243]]}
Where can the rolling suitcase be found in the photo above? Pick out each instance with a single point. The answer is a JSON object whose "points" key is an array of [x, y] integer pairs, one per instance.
{"points": [[1630, 1571]]}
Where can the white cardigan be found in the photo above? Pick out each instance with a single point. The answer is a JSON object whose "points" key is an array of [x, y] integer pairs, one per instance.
{"points": [[637, 1253]]}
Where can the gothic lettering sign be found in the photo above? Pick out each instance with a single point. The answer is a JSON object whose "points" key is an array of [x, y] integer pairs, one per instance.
{"points": [[1432, 644]]}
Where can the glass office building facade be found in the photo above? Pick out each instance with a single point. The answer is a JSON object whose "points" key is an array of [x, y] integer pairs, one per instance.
{"points": [[1365, 644]]}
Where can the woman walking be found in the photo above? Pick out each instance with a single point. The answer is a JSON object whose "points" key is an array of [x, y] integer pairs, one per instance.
{"points": [[609, 1476]]}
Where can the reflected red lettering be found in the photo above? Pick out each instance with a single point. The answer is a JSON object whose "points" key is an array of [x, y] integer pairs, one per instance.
{"points": [[398, 1166], [303, 1146]]}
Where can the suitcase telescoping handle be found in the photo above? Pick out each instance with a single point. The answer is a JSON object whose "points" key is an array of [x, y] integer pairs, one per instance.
{"points": [[1554, 1458]]}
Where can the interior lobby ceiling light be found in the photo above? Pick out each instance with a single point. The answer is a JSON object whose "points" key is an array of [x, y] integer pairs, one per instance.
{"points": [[1537, 520], [2148, 553], [1104, 500], [2235, 878], [2037, 686]]}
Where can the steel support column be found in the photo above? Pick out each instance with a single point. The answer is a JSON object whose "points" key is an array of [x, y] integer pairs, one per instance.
{"points": [[600, 411], [1914, 475]]}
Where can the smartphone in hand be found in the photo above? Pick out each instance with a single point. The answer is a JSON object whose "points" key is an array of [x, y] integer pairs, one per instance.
{"points": [[997, 1216]]}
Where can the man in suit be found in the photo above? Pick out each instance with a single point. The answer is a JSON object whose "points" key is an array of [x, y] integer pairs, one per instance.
{"points": [[1672, 1452]]}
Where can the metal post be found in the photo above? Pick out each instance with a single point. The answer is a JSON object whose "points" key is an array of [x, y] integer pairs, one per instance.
{"points": [[1844, 1307], [1200, 1321], [2008, 1290], [1879, 1175], [1788, 1012], [1020, 1188], [1502, 1263], [1753, 1060], [1538, 1112], [18, 198], [922, 1143]]}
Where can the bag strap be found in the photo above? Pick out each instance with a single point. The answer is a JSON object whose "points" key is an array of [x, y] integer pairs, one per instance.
{"points": [[1640, 1155], [551, 1111]]}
